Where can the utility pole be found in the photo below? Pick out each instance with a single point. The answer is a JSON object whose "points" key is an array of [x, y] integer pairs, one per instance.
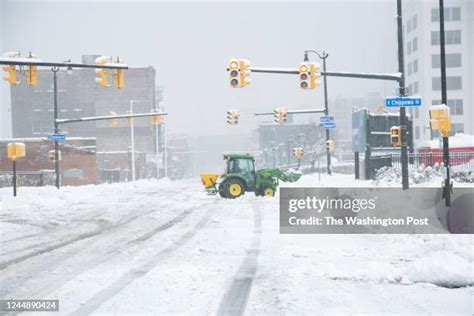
{"points": [[326, 103], [132, 142], [157, 145], [402, 93], [444, 100], [56, 125]]}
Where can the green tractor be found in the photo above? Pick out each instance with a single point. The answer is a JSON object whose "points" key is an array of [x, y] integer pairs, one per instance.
{"points": [[240, 176]]}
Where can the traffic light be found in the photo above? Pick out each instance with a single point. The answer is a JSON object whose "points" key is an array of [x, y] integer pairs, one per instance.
{"points": [[395, 136], [119, 75], [102, 75], [309, 74], [233, 117], [52, 156], [156, 119], [440, 119], [114, 121], [280, 115], [298, 152], [11, 74], [129, 119], [331, 146], [31, 72], [239, 73]]}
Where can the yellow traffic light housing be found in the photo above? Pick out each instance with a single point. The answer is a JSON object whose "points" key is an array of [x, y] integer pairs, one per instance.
{"points": [[239, 73], [102, 75], [331, 146], [119, 75], [156, 119], [309, 74], [395, 136], [31, 75], [440, 119], [298, 152], [16, 151], [280, 115], [233, 117], [11, 74], [114, 121]]}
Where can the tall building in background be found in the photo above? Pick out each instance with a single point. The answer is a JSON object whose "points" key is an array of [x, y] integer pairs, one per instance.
{"points": [[422, 62]]}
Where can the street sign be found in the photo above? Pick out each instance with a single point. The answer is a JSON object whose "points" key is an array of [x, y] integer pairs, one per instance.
{"points": [[393, 102], [57, 137], [330, 125], [326, 119]]}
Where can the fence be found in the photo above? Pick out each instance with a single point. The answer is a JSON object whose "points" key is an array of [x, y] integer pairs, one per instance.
{"points": [[458, 161], [31, 179]]}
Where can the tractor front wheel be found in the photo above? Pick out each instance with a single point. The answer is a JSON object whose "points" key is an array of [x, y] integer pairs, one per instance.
{"points": [[234, 188], [268, 191]]}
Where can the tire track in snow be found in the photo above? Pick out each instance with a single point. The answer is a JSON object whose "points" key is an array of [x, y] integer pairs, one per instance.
{"points": [[126, 279], [101, 229], [235, 299]]}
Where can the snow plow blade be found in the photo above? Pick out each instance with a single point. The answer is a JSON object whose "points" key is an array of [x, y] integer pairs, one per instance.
{"points": [[209, 181]]}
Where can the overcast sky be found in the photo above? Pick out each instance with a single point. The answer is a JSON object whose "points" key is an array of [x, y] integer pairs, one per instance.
{"points": [[190, 44]]}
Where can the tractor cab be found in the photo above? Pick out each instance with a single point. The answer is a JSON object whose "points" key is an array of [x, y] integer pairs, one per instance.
{"points": [[241, 166]]}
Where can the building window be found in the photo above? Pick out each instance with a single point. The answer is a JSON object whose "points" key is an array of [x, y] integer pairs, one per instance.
{"points": [[414, 23], [415, 66], [409, 48], [455, 106], [452, 60], [451, 37], [415, 44], [452, 83], [417, 112], [456, 128], [408, 26], [417, 132], [410, 89], [415, 87], [410, 68], [450, 14]]}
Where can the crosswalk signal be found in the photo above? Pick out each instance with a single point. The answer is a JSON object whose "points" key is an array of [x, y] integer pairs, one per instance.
{"points": [[309, 74], [102, 74], [52, 155], [395, 136], [239, 73], [233, 117], [280, 115], [440, 119], [331, 146]]}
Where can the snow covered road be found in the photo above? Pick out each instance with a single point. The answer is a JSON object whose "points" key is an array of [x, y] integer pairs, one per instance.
{"points": [[165, 247]]}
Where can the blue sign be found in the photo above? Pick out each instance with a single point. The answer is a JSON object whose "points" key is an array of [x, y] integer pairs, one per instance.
{"points": [[330, 125], [393, 102], [326, 119], [57, 137]]}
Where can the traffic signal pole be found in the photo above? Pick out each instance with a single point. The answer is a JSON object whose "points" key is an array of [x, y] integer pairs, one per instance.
{"points": [[56, 125], [402, 93], [444, 100]]}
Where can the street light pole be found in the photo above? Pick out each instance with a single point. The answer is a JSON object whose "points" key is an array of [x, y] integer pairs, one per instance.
{"points": [[402, 93], [326, 103], [56, 125], [132, 145]]}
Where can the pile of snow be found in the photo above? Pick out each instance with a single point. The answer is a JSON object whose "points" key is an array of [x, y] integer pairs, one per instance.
{"points": [[459, 140], [422, 174], [442, 260]]}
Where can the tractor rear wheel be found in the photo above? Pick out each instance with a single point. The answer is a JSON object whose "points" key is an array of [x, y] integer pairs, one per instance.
{"points": [[233, 188]]}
